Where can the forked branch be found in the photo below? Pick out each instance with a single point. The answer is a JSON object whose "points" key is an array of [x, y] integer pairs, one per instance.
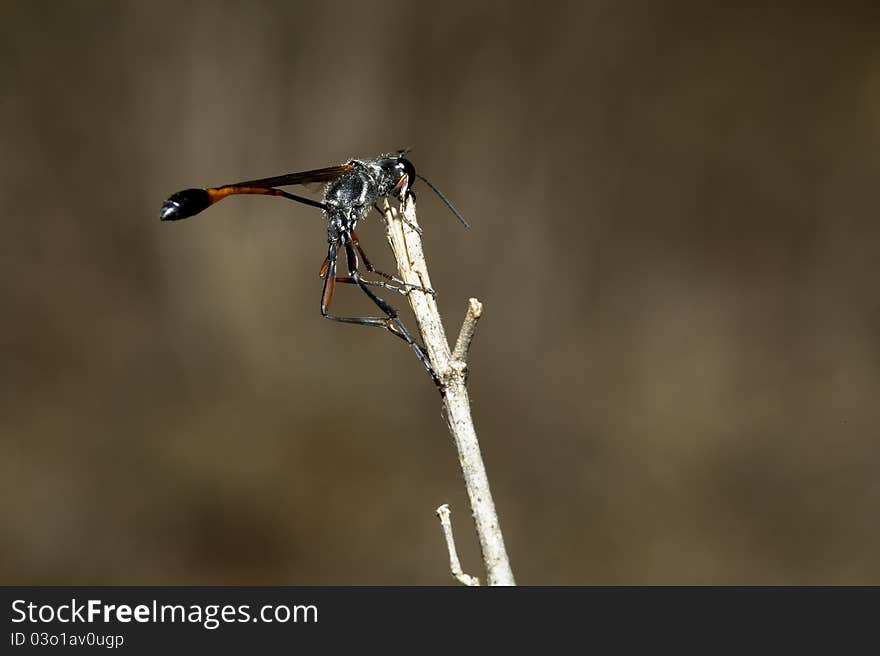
{"points": [[403, 232]]}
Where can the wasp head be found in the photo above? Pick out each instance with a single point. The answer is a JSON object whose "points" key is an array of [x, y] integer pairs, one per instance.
{"points": [[400, 173]]}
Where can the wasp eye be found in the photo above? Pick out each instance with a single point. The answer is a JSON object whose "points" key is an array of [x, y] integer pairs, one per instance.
{"points": [[409, 169]]}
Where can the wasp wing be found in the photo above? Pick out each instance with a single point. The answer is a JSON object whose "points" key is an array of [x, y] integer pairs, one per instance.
{"points": [[302, 178]]}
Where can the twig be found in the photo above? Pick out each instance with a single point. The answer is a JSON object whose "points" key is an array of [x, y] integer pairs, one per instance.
{"points": [[403, 235], [454, 565], [463, 343]]}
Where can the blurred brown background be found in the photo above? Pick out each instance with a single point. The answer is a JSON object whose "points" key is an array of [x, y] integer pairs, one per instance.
{"points": [[675, 236]]}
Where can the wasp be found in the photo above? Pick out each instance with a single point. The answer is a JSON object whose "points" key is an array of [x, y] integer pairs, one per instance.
{"points": [[351, 191]]}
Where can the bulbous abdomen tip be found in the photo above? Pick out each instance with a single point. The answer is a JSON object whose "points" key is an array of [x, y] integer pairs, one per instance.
{"points": [[184, 204]]}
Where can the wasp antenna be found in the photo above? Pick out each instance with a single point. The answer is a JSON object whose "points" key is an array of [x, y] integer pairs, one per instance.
{"points": [[445, 201]]}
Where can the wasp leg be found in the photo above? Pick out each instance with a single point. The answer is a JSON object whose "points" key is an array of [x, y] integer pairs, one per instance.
{"points": [[406, 286], [391, 322], [412, 225], [375, 283]]}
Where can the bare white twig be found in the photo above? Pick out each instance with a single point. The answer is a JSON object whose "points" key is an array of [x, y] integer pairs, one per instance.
{"points": [[454, 565], [404, 236], [463, 344]]}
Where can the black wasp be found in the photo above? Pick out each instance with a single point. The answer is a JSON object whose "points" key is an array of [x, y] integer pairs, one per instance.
{"points": [[351, 190]]}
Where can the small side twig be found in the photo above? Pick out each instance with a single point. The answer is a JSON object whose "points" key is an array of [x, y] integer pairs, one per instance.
{"points": [[463, 343], [403, 232], [444, 514]]}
